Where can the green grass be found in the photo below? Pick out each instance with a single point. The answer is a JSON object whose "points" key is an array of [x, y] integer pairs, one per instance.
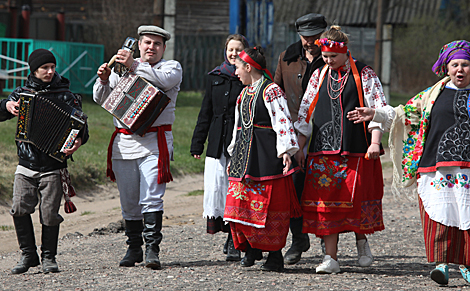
{"points": [[89, 168], [6, 227], [86, 213], [397, 99], [195, 193]]}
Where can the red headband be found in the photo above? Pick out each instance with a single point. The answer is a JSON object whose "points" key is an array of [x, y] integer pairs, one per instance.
{"points": [[245, 57], [331, 46]]}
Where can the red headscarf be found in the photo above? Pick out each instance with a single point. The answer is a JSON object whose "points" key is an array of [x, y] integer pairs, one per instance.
{"points": [[245, 57]]}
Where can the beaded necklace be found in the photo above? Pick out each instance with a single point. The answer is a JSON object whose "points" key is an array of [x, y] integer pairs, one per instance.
{"points": [[342, 80], [247, 123]]}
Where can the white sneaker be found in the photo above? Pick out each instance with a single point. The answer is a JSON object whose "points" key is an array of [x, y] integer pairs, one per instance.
{"points": [[329, 266], [364, 254]]}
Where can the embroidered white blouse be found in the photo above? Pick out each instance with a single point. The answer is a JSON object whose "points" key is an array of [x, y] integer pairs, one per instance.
{"points": [[374, 97], [275, 101]]}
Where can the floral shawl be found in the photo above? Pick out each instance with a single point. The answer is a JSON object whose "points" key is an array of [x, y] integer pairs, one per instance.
{"points": [[408, 135]]}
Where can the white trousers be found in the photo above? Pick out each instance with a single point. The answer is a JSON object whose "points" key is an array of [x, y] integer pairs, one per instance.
{"points": [[139, 191]]}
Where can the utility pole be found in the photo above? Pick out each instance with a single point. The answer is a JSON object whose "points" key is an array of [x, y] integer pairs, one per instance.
{"points": [[158, 12], [378, 39]]}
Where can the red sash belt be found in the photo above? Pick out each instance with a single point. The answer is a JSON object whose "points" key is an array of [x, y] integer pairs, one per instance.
{"points": [[164, 175]]}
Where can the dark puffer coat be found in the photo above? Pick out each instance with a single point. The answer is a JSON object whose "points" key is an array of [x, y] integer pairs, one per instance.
{"points": [[29, 155]]}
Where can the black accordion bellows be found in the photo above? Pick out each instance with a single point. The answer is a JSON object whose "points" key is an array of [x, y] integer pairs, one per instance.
{"points": [[50, 124]]}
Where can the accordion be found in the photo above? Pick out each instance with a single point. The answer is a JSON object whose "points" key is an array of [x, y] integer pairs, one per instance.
{"points": [[50, 124], [136, 103]]}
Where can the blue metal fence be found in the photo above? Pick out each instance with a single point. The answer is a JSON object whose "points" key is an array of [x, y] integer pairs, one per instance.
{"points": [[78, 62]]}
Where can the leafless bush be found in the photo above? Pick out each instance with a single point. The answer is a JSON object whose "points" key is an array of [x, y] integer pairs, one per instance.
{"points": [[416, 48]]}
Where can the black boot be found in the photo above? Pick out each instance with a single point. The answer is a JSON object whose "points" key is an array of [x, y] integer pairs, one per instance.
{"points": [[152, 236], [300, 242], [50, 238], [274, 263], [227, 242], [134, 252], [25, 234], [232, 253], [251, 256]]}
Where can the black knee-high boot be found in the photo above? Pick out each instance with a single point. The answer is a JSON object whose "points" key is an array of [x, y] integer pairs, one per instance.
{"points": [[134, 241], [50, 239], [232, 253], [25, 234], [251, 256], [275, 262], [152, 236], [300, 242]]}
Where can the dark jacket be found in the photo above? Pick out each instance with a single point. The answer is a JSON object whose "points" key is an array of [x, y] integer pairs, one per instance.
{"points": [[217, 116], [292, 77], [29, 155]]}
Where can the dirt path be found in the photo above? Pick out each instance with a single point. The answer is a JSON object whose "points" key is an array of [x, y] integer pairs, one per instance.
{"points": [[193, 259], [98, 209]]}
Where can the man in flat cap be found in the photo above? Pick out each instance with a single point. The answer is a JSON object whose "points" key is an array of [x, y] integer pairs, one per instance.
{"points": [[140, 164], [295, 67]]}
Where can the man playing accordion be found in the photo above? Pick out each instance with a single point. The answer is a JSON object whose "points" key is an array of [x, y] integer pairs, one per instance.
{"points": [[141, 164], [39, 177]]}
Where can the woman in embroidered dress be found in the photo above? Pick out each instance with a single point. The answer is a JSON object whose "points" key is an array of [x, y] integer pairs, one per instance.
{"points": [[429, 143], [216, 119], [261, 197], [343, 185]]}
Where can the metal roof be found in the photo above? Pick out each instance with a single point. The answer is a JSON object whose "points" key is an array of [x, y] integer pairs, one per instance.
{"points": [[356, 12]]}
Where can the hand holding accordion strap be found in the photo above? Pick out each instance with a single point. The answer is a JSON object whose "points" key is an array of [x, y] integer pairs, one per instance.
{"points": [[68, 190], [164, 174]]}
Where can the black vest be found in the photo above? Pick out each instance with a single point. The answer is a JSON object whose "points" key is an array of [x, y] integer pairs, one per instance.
{"points": [[255, 154], [448, 134], [332, 132]]}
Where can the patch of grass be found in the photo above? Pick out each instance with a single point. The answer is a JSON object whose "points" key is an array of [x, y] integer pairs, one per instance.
{"points": [[387, 165], [397, 98], [6, 227], [195, 193], [89, 168], [86, 213], [189, 99]]}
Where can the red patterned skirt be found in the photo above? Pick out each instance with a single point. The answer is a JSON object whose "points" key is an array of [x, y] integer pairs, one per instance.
{"points": [[342, 194], [444, 244], [259, 212]]}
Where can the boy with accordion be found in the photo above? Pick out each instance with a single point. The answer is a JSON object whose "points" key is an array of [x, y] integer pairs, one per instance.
{"points": [[40, 177]]}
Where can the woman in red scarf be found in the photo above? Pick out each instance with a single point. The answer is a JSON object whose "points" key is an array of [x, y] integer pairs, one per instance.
{"points": [[261, 197], [343, 186]]}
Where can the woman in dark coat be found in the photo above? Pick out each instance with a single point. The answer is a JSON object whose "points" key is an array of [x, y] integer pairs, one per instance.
{"points": [[216, 120]]}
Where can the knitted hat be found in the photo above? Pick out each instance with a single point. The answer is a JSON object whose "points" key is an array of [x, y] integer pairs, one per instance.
{"points": [[40, 57]]}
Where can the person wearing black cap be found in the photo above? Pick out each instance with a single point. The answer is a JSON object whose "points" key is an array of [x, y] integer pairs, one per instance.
{"points": [[140, 164], [294, 69], [38, 176]]}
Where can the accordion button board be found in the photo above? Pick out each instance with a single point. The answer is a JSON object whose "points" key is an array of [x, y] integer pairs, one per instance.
{"points": [[136, 103], [48, 123]]}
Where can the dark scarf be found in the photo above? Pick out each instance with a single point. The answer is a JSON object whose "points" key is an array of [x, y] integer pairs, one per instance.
{"points": [[225, 68], [42, 85]]}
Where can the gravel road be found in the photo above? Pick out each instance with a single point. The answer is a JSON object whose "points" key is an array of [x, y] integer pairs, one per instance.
{"points": [[193, 260]]}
